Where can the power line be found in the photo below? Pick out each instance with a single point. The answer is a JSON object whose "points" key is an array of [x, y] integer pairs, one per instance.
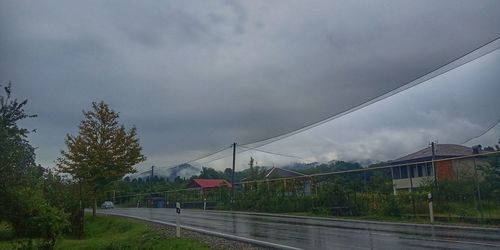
{"points": [[483, 50], [208, 155], [268, 152], [246, 148], [193, 160], [482, 133], [387, 165], [227, 155]]}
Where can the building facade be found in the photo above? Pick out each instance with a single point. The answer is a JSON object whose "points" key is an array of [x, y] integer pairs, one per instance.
{"points": [[449, 161]]}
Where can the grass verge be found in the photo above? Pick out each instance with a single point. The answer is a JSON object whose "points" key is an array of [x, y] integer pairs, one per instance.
{"points": [[105, 232]]}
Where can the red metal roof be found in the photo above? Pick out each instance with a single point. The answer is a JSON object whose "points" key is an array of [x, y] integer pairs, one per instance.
{"points": [[210, 183]]}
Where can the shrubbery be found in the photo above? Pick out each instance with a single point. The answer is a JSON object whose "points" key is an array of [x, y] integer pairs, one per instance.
{"points": [[23, 204]]}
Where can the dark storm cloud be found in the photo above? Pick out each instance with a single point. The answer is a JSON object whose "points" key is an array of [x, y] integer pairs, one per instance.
{"points": [[194, 76], [450, 108]]}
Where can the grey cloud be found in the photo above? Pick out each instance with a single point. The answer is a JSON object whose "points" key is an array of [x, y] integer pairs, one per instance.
{"points": [[195, 76]]}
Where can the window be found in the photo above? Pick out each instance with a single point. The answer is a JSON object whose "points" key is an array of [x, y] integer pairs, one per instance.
{"points": [[404, 172], [396, 173], [420, 170], [428, 167], [413, 171]]}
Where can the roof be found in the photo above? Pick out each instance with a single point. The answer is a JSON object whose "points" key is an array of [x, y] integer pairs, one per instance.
{"points": [[210, 183], [441, 151], [280, 172]]}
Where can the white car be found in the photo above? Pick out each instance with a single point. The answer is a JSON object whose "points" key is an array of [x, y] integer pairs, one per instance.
{"points": [[107, 205]]}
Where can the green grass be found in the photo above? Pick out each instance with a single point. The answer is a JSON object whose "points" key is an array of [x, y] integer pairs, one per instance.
{"points": [[6, 236], [112, 233]]}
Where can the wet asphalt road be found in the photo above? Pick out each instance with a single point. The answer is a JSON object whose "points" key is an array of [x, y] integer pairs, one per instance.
{"points": [[318, 233]]}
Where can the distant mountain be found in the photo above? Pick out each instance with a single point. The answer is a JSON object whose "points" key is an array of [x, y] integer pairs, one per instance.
{"points": [[367, 163], [316, 167], [183, 171]]}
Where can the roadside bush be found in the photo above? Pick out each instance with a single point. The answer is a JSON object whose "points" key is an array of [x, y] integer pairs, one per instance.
{"points": [[32, 216], [391, 207], [22, 201]]}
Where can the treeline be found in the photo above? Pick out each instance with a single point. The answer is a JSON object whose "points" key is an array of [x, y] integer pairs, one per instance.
{"points": [[39, 204], [467, 198], [148, 184], [28, 201]]}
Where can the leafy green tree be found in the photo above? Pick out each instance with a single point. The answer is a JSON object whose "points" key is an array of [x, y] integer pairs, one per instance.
{"points": [[253, 171], [210, 173], [102, 152], [66, 194], [490, 168], [22, 202], [17, 156]]}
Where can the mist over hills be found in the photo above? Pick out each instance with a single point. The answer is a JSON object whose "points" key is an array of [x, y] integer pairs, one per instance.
{"points": [[187, 170], [183, 171]]}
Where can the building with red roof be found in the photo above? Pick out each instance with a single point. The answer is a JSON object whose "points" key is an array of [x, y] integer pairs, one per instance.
{"points": [[209, 183]]}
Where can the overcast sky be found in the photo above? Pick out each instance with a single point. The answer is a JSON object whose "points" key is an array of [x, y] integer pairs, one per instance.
{"points": [[194, 76]]}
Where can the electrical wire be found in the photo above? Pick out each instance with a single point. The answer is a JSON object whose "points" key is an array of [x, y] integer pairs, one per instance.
{"points": [[268, 152], [190, 161], [208, 155], [246, 148], [482, 133], [482, 50], [222, 157]]}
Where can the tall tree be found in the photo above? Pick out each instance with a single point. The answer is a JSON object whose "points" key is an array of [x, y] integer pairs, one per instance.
{"points": [[22, 202], [253, 171], [209, 173], [17, 156], [102, 152]]}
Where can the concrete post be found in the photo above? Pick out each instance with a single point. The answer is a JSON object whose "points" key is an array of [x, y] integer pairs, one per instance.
{"points": [[431, 211], [178, 220]]}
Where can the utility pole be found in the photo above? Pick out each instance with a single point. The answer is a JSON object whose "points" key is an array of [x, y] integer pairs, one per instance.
{"points": [[411, 174], [232, 174], [430, 197], [476, 150], [433, 163], [151, 179]]}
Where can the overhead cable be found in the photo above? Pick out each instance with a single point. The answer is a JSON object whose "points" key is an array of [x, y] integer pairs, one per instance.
{"points": [[484, 49], [193, 160], [482, 133], [268, 152]]}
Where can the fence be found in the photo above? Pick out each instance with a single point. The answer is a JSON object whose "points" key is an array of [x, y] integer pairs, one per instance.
{"points": [[464, 189]]}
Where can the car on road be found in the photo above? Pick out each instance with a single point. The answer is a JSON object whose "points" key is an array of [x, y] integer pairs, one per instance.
{"points": [[107, 205]]}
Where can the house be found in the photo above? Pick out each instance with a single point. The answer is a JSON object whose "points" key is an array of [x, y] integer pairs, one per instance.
{"points": [[209, 187], [286, 175], [275, 173], [415, 169], [209, 183]]}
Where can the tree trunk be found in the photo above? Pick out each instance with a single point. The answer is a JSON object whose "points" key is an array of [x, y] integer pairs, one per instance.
{"points": [[81, 215], [81, 228], [94, 207]]}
